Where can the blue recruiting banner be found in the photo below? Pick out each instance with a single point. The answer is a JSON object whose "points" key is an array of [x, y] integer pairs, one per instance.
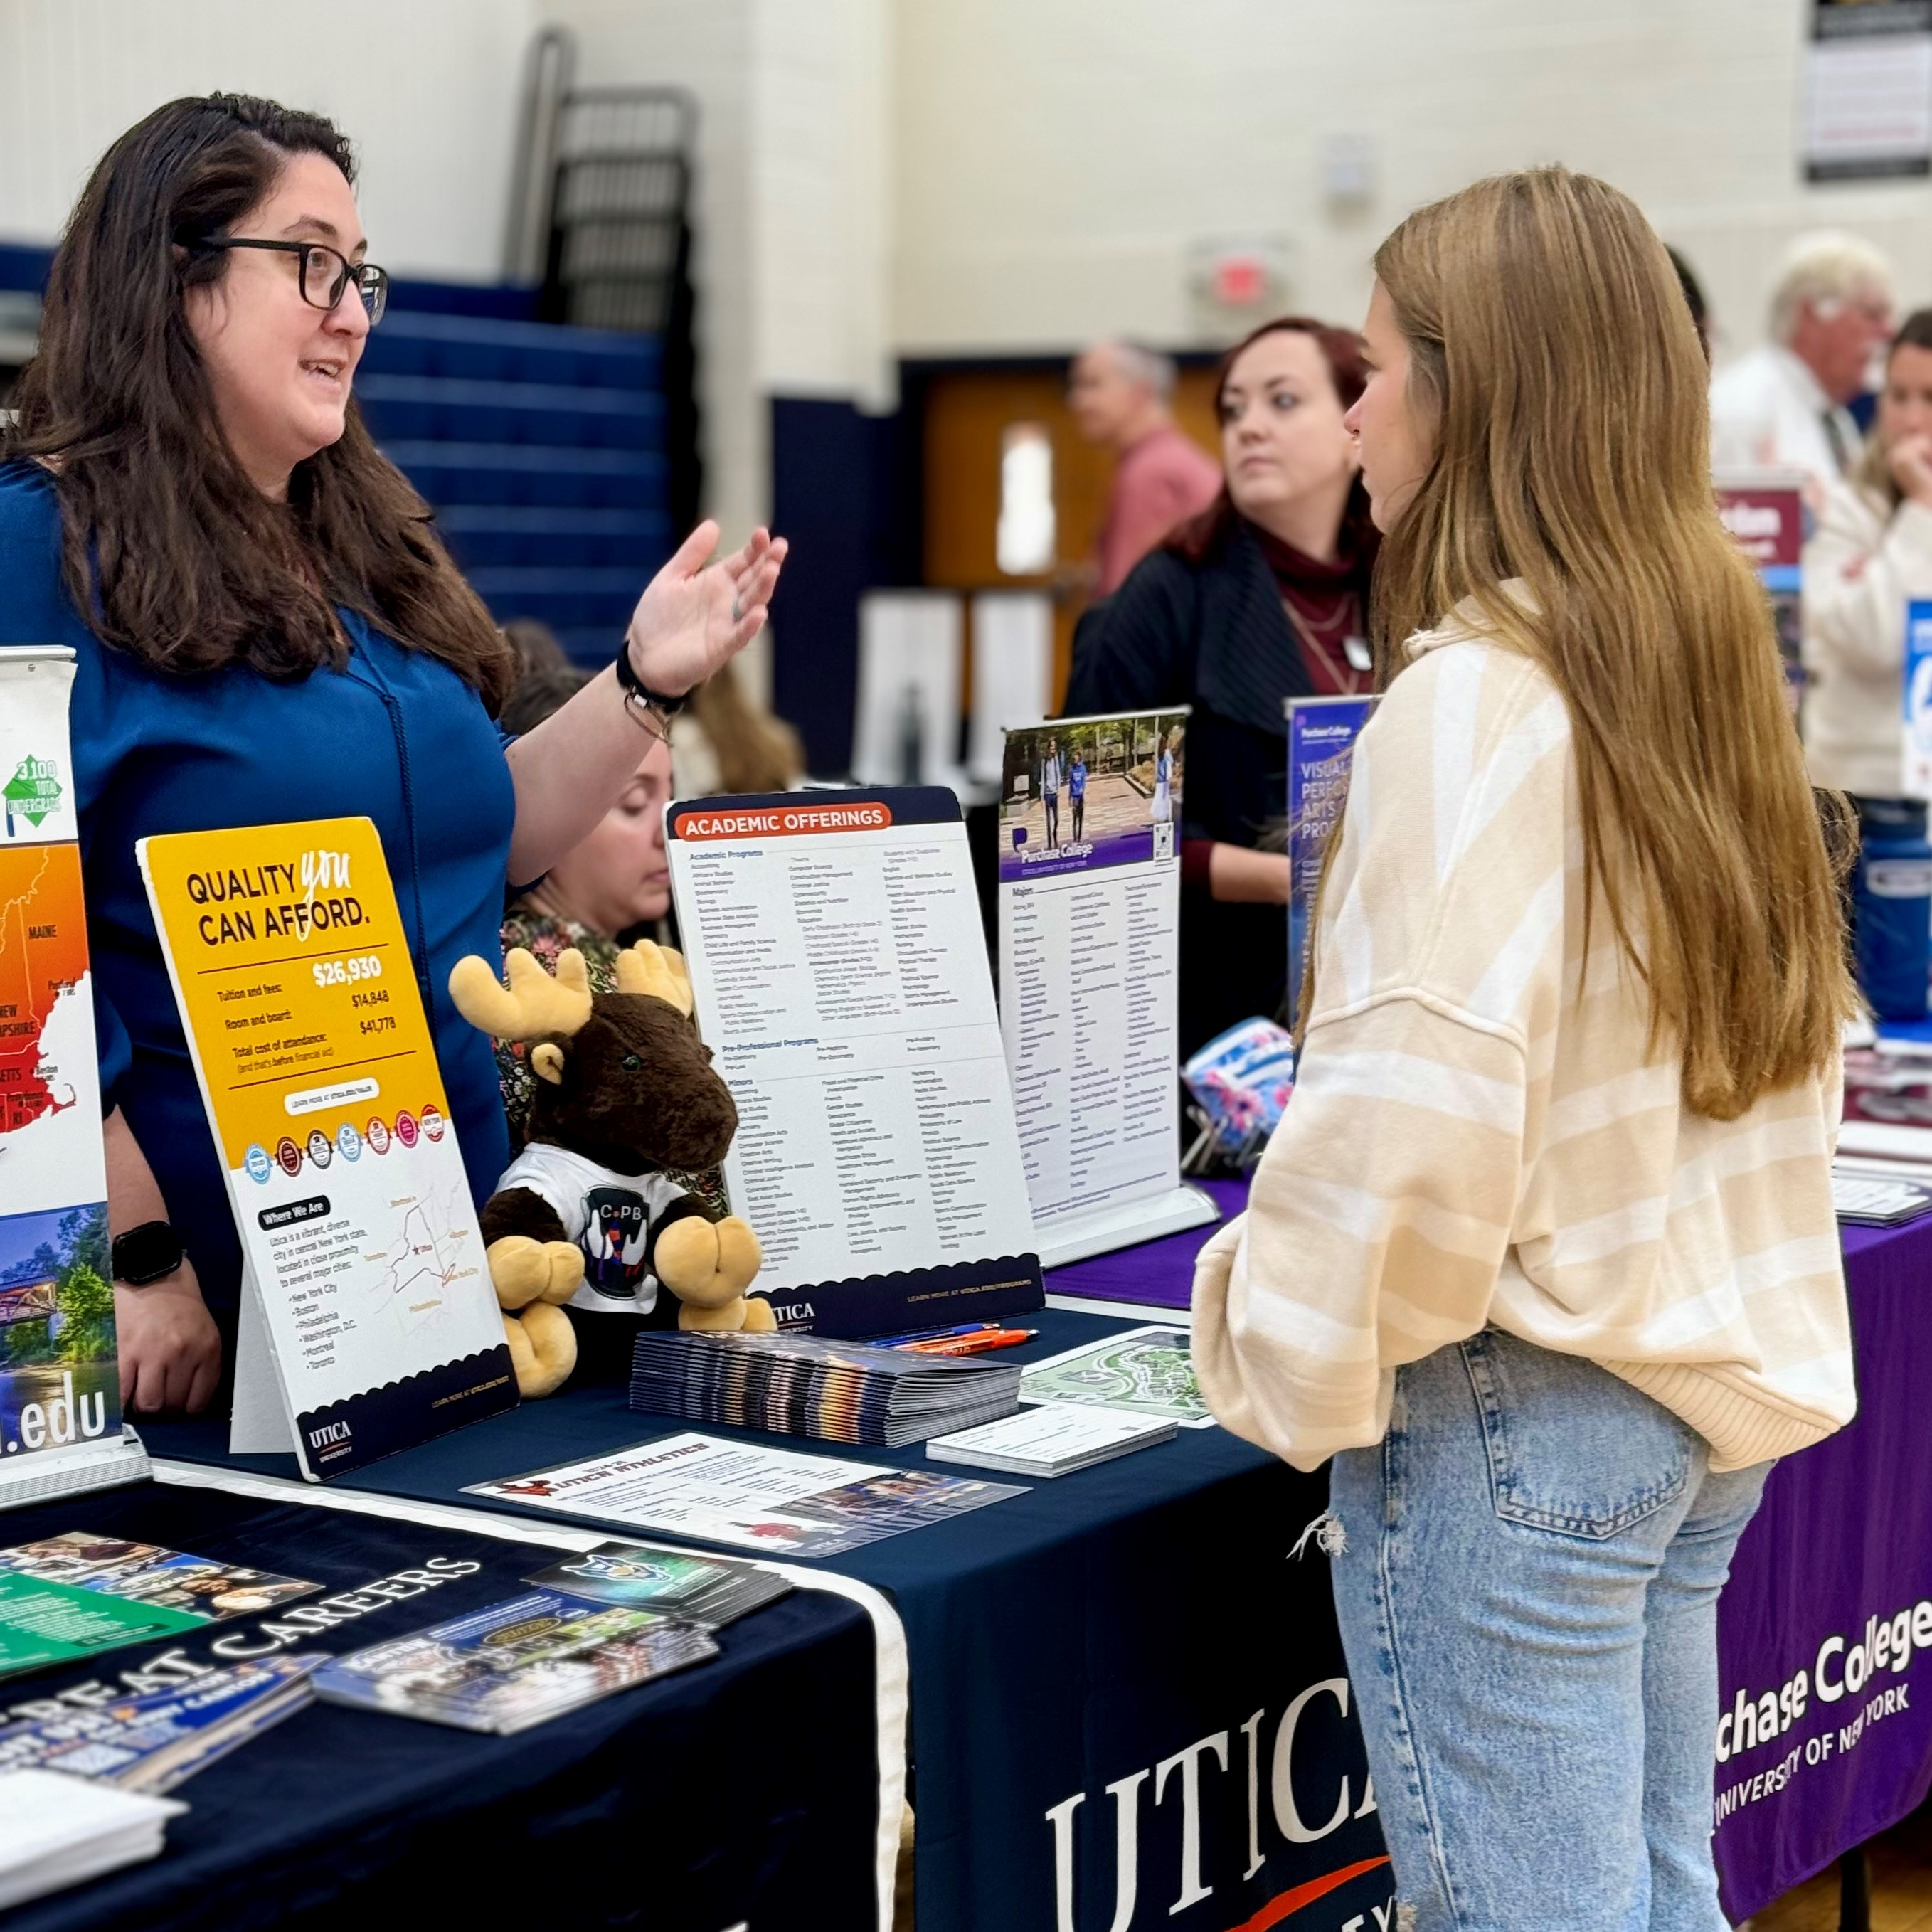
{"points": [[1915, 749], [1321, 735]]}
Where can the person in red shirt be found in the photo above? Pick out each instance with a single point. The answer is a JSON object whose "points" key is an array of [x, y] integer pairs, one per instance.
{"points": [[1118, 394]]}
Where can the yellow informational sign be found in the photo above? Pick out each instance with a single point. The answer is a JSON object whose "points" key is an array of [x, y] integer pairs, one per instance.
{"points": [[297, 991], [294, 980]]}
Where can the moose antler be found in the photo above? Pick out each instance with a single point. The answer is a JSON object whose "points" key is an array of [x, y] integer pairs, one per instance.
{"points": [[533, 1006], [657, 971]]}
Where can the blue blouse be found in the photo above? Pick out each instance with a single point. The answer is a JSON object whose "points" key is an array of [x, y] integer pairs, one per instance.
{"points": [[396, 737]]}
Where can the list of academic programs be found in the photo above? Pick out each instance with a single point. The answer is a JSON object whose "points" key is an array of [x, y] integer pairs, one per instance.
{"points": [[1089, 909], [842, 982]]}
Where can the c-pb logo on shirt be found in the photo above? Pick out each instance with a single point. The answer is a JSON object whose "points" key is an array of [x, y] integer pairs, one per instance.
{"points": [[615, 1233]]}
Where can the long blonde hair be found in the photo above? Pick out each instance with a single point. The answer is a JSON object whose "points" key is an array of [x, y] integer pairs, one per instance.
{"points": [[1550, 344], [755, 751]]}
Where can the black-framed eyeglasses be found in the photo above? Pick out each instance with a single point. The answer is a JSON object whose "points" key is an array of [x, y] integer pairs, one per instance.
{"points": [[325, 272]]}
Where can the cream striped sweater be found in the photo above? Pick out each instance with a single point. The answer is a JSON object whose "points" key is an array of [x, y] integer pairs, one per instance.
{"points": [[1469, 1143]]}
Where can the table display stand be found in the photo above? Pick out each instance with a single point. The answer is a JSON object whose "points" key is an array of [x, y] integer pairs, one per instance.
{"points": [[1128, 1224]]}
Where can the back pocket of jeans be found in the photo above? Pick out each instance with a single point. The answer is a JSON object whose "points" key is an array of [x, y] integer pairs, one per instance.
{"points": [[1571, 1448]]}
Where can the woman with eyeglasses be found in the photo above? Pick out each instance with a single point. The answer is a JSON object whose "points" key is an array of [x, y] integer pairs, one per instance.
{"points": [[267, 629]]}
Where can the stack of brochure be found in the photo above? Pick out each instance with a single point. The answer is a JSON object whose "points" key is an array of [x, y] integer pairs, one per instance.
{"points": [[805, 1385], [707, 1591], [514, 1664], [64, 1830], [153, 1741], [1051, 1440], [74, 1595], [1879, 1194]]}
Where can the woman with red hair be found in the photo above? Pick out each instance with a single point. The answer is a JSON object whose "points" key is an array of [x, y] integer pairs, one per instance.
{"points": [[1262, 597]]}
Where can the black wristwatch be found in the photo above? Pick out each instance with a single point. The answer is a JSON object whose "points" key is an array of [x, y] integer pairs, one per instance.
{"points": [[635, 687], [147, 1253]]}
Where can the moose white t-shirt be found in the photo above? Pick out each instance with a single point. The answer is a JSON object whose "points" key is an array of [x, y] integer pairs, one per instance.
{"points": [[609, 1216]]}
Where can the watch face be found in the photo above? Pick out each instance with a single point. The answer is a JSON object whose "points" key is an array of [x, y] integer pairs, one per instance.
{"points": [[146, 1253]]}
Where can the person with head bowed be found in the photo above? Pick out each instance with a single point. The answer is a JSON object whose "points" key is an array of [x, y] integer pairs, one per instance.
{"points": [[268, 629], [1262, 597], [1543, 1253], [611, 888]]}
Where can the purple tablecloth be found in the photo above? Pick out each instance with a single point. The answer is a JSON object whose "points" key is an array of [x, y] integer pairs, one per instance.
{"points": [[1841, 1548]]}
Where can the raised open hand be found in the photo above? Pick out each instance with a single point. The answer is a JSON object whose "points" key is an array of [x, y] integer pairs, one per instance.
{"points": [[695, 616]]}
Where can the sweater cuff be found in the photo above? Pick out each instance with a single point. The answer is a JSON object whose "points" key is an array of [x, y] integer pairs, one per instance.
{"points": [[1197, 861]]}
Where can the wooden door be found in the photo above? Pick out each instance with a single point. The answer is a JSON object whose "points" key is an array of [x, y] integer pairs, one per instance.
{"points": [[969, 415]]}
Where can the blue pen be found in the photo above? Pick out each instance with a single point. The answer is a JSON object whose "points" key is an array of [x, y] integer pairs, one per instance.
{"points": [[928, 1334]]}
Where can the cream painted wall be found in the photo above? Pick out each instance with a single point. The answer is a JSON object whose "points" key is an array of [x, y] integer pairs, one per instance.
{"points": [[427, 91], [1055, 161]]}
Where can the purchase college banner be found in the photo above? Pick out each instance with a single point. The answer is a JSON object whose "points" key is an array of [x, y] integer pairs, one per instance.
{"points": [[368, 1322], [1825, 1630]]}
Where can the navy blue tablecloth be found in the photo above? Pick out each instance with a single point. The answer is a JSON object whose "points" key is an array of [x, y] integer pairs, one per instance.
{"points": [[744, 1788], [1124, 1657]]}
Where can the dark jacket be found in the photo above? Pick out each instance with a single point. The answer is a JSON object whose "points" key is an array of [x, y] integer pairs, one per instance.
{"points": [[1214, 636]]}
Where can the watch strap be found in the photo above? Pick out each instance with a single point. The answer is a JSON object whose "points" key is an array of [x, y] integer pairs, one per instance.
{"points": [[635, 687]]}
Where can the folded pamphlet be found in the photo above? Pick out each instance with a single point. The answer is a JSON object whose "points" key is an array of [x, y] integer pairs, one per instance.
{"points": [[707, 1591], [1146, 1371], [154, 1741], [63, 1831], [1052, 1440], [69, 1596], [514, 1664], [809, 1385]]}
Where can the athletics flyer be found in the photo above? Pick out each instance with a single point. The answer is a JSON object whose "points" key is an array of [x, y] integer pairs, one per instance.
{"points": [[368, 1322]]}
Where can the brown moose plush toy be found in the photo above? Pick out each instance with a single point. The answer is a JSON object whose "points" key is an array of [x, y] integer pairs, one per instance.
{"points": [[585, 1215]]}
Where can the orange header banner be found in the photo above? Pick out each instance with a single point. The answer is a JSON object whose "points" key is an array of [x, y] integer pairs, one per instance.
{"points": [[780, 821]]}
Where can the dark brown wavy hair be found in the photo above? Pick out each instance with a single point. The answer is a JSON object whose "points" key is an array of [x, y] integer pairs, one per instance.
{"points": [[178, 559], [1205, 536]]}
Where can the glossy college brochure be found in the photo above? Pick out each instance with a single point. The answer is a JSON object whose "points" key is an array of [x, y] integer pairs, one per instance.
{"points": [[706, 1591], [1149, 1371], [61, 1428], [804, 1385], [69, 1596], [746, 1496], [156, 1741], [368, 1323], [514, 1664]]}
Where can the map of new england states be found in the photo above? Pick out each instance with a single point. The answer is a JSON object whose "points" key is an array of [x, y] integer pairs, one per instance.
{"points": [[45, 1066]]}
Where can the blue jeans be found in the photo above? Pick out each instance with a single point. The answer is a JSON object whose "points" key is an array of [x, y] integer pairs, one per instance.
{"points": [[1528, 1603]]}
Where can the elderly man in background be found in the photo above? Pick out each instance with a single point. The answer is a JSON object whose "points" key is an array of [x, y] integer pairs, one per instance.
{"points": [[1783, 407], [1119, 393]]}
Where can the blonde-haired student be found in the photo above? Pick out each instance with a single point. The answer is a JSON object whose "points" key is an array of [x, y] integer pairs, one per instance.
{"points": [[1542, 1254]]}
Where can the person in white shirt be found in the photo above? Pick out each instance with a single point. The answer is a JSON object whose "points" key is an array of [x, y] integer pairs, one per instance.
{"points": [[1869, 555], [1783, 407]]}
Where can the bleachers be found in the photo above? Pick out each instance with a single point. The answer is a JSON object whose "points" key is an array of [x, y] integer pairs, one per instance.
{"points": [[541, 446], [542, 449]]}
